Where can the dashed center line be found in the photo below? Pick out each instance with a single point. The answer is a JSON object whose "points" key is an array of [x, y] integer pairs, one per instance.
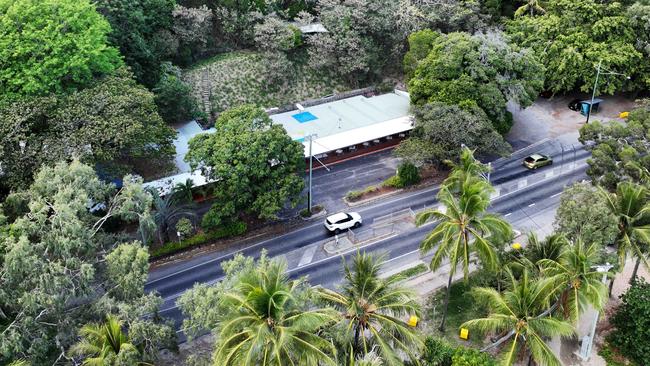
{"points": [[531, 205], [508, 214]]}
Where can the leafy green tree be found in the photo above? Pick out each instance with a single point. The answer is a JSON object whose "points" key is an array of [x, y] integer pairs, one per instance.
{"points": [[113, 123], [51, 46], [619, 152], [631, 208], [372, 311], [365, 38], [141, 29], [632, 323], [173, 96], [256, 166], [464, 227], [583, 214], [420, 44], [578, 284], [571, 38], [60, 269], [441, 130], [520, 313], [484, 70], [105, 344]]}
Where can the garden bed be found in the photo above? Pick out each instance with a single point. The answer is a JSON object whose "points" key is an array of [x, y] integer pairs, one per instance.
{"points": [[429, 176]]}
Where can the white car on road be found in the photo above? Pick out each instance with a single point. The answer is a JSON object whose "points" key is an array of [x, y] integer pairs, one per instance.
{"points": [[342, 221]]}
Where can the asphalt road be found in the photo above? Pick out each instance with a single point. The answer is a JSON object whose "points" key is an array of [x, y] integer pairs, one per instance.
{"points": [[172, 281]]}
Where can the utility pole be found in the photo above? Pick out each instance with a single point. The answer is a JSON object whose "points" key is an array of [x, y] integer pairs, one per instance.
{"points": [[593, 93], [588, 341], [310, 173]]}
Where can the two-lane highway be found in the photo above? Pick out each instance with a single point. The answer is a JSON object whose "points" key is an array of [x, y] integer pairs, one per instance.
{"points": [[173, 283]]}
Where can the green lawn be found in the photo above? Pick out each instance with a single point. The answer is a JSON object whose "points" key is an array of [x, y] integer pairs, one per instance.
{"points": [[462, 307]]}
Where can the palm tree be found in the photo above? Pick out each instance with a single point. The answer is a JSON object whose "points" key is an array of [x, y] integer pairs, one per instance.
{"points": [[578, 284], [631, 207], [101, 343], [184, 190], [269, 324], [167, 209], [464, 228], [467, 168], [372, 311], [551, 248], [369, 359], [531, 7], [518, 313]]}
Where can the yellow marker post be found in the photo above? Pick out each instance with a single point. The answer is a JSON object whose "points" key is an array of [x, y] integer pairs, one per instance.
{"points": [[623, 114], [464, 333], [516, 246], [413, 321]]}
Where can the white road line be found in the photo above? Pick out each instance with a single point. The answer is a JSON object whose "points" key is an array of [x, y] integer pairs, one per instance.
{"points": [[532, 204], [557, 194], [508, 214], [307, 255], [402, 256]]}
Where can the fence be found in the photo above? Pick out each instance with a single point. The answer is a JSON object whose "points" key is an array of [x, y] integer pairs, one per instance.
{"points": [[373, 233]]}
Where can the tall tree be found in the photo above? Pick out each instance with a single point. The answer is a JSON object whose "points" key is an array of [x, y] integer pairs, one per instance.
{"points": [[619, 152], [59, 269], [631, 208], [578, 283], [264, 318], [519, 312], [531, 8], [256, 166], [141, 29], [441, 129], [113, 123], [463, 228], [571, 38], [51, 46], [583, 214], [484, 70], [372, 311]]}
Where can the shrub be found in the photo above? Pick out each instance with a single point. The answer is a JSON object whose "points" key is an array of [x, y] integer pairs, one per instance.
{"points": [[471, 357], [184, 227], [408, 174], [230, 230], [437, 352], [632, 322], [212, 219], [314, 210], [354, 195], [393, 182]]}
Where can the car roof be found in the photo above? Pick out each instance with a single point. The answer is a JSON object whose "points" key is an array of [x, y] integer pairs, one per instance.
{"points": [[337, 216], [536, 156]]}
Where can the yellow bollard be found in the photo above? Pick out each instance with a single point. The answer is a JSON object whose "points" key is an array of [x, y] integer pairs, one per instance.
{"points": [[413, 321], [464, 333], [623, 114]]}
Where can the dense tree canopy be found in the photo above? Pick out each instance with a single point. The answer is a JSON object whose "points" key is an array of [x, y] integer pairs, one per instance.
{"points": [[620, 151], [441, 130], [632, 323], [141, 30], [364, 36], [572, 37], [583, 214], [256, 165], [115, 120], [60, 269], [483, 69], [52, 46]]}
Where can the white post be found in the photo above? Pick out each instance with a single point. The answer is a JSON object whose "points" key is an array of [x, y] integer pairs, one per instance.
{"points": [[585, 351]]}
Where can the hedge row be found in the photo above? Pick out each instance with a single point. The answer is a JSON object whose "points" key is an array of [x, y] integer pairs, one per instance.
{"points": [[234, 229]]}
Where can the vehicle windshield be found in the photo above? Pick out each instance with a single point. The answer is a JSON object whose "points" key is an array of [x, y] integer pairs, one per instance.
{"points": [[328, 221], [529, 159]]}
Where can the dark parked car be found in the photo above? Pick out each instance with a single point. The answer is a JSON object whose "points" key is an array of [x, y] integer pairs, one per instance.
{"points": [[574, 105]]}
